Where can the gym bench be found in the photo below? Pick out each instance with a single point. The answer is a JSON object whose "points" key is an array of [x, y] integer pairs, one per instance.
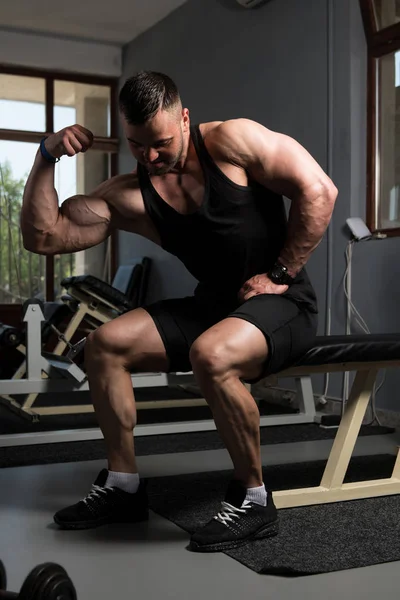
{"points": [[366, 355]]}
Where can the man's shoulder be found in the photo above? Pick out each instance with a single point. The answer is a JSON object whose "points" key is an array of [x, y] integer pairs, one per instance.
{"points": [[231, 132], [212, 128], [227, 140], [207, 129], [121, 191], [118, 183]]}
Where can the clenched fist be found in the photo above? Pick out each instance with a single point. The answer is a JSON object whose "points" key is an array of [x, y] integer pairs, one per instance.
{"points": [[69, 141]]}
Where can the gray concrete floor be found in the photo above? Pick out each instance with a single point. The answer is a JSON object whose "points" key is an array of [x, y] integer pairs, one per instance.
{"points": [[151, 560]]}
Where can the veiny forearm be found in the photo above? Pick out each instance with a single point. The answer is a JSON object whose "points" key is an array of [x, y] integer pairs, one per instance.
{"points": [[309, 218], [40, 210]]}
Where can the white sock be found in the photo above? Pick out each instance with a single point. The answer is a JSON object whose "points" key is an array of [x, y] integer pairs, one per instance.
{"points": [[258, 495], [129, 482]]}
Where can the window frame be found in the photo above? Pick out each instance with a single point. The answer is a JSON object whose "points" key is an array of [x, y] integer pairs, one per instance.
{"points": [[105, 144], [380, 43]]}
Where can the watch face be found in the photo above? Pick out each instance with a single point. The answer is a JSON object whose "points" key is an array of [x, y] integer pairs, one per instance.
{"points": [[278, 272], [279, 275]]}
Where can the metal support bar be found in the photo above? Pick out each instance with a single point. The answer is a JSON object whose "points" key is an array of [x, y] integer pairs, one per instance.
{"points": [[306, 396], [332, 488], [35, 362], [76, 435], [349, 429]]}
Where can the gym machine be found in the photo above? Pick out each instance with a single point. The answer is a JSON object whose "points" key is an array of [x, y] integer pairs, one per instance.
{"points": [[48, 372]]}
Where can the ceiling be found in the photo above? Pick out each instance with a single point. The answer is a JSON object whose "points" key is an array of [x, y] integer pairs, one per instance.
{"points": [[118, 21]]}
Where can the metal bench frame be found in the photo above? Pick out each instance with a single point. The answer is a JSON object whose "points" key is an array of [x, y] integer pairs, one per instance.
{"points": [[332, 488]]}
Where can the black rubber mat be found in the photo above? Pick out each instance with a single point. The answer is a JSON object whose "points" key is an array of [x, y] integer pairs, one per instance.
{"points": [[312, 539]]}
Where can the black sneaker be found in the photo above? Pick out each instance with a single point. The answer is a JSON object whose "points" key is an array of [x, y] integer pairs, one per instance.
{"points": [[105, 505], [238, 523]]}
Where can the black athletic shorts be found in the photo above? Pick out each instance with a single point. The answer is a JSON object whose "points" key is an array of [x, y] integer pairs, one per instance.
{"points": [[290, 329]]}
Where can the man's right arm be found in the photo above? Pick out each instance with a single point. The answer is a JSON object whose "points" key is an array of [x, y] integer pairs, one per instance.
{"points": [[80, 222]]}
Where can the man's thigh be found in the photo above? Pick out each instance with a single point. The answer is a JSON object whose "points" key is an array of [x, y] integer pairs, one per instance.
{"points": [[133, 338], [289, 329], [180, 321]]}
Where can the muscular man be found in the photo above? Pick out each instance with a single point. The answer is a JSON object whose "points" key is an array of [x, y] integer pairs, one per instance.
{"points": [[212, 195]]}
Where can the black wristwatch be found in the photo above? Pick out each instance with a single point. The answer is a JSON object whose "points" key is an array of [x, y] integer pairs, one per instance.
{"points": [[279, 275]]}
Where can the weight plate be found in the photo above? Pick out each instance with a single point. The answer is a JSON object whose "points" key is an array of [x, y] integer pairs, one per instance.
{"points": [[30, 584], [3, 577], [48, 581], [57, 587]]}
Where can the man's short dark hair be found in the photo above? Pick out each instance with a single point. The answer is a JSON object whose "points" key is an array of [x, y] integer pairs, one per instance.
{"points": [[144, 94]]}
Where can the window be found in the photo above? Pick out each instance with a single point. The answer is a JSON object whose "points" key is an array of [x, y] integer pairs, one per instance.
{"points": [[386, 13], [32, 105], [382, 27]]}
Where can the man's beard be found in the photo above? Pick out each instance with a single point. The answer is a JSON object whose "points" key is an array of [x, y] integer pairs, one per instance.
{"points": [[163, 170], [169, 166]]}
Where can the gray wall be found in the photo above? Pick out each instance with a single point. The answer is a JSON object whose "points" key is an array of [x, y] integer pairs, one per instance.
{"points": [[298, 68]]}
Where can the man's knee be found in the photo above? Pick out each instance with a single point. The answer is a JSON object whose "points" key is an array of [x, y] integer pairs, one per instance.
{"points": [[128, 341], [211, 358], [102, 341]]}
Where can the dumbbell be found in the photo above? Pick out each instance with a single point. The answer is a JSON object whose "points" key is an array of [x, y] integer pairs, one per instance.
{"points": [[48, 581]]}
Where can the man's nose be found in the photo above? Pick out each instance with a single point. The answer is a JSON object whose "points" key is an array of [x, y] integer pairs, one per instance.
{"points": [[151, 155]]}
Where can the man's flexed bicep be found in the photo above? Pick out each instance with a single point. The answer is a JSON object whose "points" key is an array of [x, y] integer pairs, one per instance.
{"points": [[83, 222]]}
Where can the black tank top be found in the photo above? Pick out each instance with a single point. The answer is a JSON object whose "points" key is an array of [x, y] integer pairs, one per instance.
{"points": [[237, 232]]}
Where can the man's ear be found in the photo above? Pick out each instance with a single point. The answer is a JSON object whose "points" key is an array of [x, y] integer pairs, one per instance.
{"points": [[185, 119]]}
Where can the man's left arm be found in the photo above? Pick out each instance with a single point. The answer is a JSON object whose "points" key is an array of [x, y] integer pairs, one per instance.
{"points": [[284, 166]]}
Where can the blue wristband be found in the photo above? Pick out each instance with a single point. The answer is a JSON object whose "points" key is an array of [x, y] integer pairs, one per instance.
{"points": [[46, 155]]}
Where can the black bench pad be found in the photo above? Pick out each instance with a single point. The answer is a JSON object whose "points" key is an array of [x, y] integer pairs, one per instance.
{"points": [[335, 349]]}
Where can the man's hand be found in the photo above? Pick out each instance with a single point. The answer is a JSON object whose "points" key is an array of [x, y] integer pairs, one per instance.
{"points": [[260, 284], [69, 141]]}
